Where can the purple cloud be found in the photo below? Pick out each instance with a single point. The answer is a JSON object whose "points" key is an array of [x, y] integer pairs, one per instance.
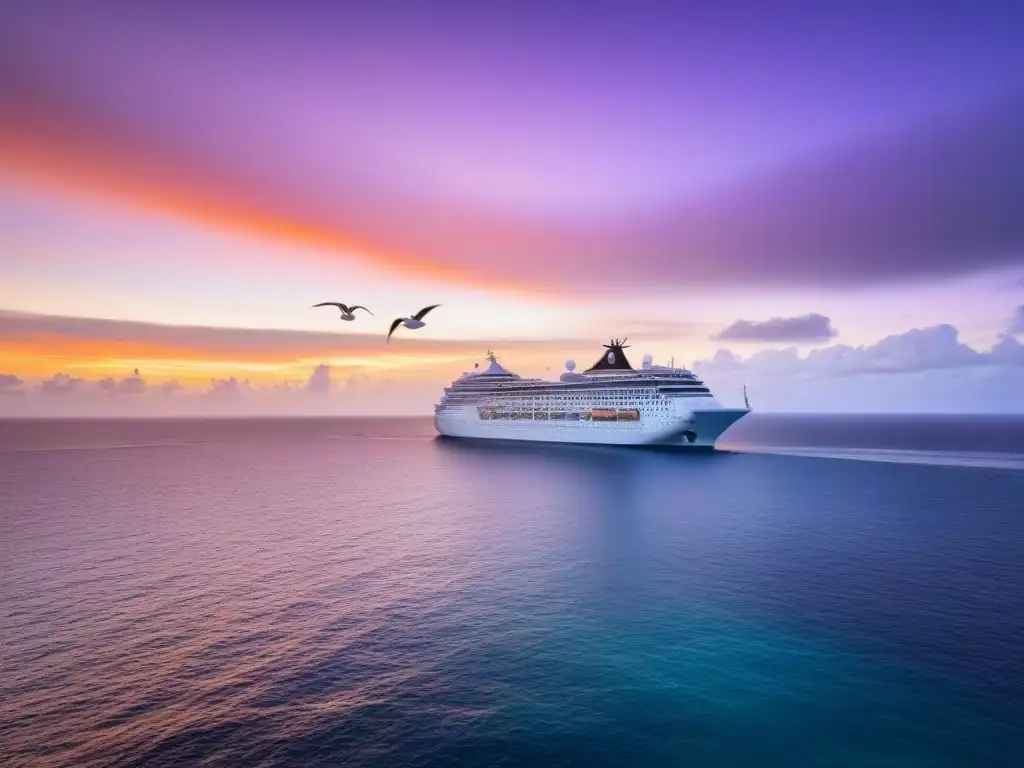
{"points": [[920, 349], [10, 384], [941, 200], [675, 163], [130, 385], [320, 379], [1008, 351], [227, 388], [806, 328], [915, 350], [1017, 323], [60, 384], [926, 370], [170, 387]]}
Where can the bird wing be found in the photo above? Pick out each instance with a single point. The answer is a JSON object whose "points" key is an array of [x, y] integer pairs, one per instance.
{"points": [[395, 324], [423, 312], [358, 306], [342, 307]]}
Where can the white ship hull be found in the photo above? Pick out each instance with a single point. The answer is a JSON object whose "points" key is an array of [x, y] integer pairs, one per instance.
{"points": [[696, 429]]}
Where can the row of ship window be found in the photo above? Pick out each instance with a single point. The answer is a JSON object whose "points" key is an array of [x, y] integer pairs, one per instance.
{"points": [[642, 393], [595, 414]]}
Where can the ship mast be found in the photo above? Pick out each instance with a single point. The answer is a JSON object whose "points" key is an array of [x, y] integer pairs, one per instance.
{"points": [[746, 402]]}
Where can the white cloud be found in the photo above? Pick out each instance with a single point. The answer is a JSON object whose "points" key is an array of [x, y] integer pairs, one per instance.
{"points": [[926, 369]]}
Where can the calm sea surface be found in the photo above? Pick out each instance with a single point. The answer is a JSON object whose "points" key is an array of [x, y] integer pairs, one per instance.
{"points": [[828, 591]]}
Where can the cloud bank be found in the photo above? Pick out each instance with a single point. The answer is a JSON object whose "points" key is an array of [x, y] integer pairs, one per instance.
{"points": [[922, 370], [927, 369], [324, 393]]}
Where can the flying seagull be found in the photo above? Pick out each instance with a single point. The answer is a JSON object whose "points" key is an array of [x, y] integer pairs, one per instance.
{"points": [[346, 312], [416, 321]]}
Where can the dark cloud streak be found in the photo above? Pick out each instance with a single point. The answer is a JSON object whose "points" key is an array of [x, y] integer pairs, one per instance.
{"points": [[233, 342], [806, 328], [942, 200]]}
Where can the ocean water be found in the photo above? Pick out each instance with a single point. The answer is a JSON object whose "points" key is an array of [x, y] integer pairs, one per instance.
{"points": [[823, 592]]}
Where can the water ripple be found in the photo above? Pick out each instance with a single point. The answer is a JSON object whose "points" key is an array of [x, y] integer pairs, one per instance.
{"points": [[262, 595]]}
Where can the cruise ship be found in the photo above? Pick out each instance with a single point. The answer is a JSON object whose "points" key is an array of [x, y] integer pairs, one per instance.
{"points": [[610, 403]]}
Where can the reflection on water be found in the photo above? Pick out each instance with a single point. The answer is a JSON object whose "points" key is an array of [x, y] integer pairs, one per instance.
{"points": [[321, 592]]}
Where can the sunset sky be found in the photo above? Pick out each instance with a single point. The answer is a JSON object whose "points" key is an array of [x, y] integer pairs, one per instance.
{"points": [[825, 201]]}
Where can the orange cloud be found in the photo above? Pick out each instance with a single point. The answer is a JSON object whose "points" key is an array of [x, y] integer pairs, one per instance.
{"points": [[36, 346], [38, 153]]}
